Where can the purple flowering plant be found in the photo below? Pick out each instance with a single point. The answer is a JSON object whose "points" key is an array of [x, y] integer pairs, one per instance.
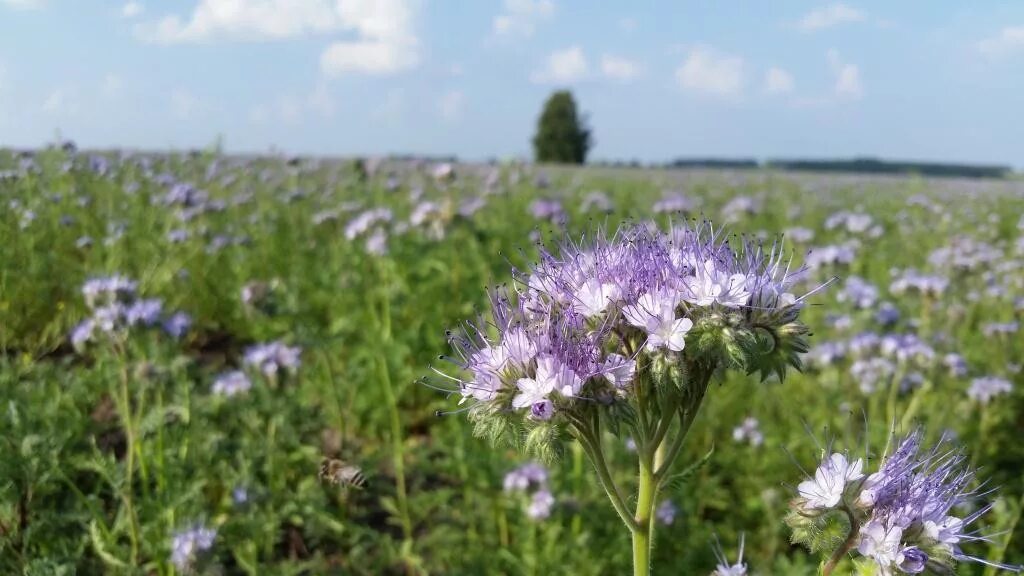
{"points": [[911, 516], [622, 334]]}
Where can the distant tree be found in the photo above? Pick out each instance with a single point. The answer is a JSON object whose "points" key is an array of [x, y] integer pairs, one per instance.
{"points": [[562, 134]]}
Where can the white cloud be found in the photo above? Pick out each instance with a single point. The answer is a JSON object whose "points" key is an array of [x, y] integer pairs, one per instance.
{"points": [[450, 105], [367, 57], [778, 81], [183, 103], [520, 17], [707, 71], [61, 102], [132, 9], [826, 17], [384, 42], [848, 83], [619, 68], [23, 4], [562, 67], [1008, 40], [628, 24]]}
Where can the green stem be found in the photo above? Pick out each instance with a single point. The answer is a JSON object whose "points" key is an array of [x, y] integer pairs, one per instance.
{"points": [[644, 532], [124, 410], [594, 452], [398, 446]]}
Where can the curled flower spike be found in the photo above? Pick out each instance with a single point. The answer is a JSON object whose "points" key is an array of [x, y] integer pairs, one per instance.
{"points": [[901, 518]]}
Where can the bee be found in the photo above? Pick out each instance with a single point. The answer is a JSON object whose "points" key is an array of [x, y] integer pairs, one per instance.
{"points": [[338, 472]]}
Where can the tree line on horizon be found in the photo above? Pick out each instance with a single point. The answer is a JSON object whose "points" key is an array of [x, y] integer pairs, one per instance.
{"points": [[564, 137]]}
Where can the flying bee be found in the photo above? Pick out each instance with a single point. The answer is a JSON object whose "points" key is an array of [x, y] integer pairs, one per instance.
{"points": [[338, 472]]}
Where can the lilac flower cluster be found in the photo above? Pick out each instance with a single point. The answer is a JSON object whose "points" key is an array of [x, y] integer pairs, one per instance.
{"points": [[189, 544], [984, 389], [272, 357], [749, 431], [115, 308], [576, 325], [532, 479], [904, 514]]}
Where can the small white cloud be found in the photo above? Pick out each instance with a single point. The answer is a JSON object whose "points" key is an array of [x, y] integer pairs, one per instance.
{"points": [[628, 24], [520, 17], [183, 103], [832, 15], [562, 67], [456, 70], [23, 4], [1008, 40], [370, 57], [132, 9], [54, 103], [707, 71], [112, 87], [848, 82], [61, 102], [619, 68], [778, 81], [450, 105]]}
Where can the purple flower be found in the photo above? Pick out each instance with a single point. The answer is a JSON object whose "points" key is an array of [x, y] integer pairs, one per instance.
{"points": [[984, 389], [859, 292], [540, 505], [231, 383], [104, 290], [527, 477], [186, 546], [666, 512], [177, 325], [910, 503], [144, 312], [749, 431], [271, 358]]}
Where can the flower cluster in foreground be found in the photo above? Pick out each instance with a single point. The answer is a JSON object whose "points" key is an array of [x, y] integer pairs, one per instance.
{"points": [[583, 326], [905, 518]]}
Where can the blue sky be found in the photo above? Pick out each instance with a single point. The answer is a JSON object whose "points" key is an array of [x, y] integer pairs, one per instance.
{"points": [[928, 80]]}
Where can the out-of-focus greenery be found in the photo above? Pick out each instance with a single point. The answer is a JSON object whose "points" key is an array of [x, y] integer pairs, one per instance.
{"points": [[370, 325]]}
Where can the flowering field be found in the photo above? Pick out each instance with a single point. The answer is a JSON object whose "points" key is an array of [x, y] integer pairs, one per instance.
{"points": [[241, 366]]}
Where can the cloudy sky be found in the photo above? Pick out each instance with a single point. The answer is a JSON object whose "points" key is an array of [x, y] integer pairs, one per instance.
{"points": [[931, 80]]}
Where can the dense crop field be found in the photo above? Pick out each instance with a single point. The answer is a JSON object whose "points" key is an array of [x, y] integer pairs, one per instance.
{"points": [[278, 317]]}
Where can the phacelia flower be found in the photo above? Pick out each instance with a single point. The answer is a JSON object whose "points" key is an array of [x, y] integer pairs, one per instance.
{"points": [[186, 546], [272, 357], [984, 389]]}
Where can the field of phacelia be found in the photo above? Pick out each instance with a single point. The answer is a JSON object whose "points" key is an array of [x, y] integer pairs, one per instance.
{"points": [[225, 365]]}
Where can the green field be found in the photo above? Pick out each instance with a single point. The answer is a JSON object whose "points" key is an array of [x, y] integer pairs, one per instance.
{"points": [[111, 445]]}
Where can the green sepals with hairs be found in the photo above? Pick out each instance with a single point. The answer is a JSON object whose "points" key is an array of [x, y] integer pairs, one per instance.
{"points": [[498, 426], [821, 534], [544, 442], [778, 349]]}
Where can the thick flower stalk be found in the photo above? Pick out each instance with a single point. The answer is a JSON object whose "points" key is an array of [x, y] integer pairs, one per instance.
{"points": [[623, 335], [906, 518]]}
